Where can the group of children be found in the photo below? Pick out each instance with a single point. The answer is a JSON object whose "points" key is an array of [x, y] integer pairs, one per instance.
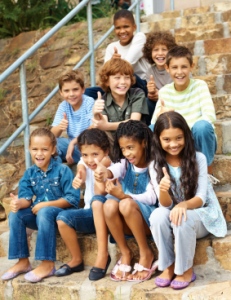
{"points": [[138, 181]]}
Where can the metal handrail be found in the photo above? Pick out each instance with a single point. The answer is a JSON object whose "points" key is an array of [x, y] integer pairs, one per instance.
{"points": [[20, 63]]}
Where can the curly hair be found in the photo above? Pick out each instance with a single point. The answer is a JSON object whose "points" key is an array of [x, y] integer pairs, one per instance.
{"points": [[154, 38], [73, 75], [113, 67], [43, 131], [188, 162], [136, 130], [178, 52], [94, 136]]}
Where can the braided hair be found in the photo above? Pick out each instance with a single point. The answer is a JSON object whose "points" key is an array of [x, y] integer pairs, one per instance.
{"points": [[138, 131]]}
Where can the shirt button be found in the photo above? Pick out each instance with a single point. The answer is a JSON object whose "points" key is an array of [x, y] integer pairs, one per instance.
{"points": [[56, 182], [33, 182], [119, 108], [41, 186], [47, 190]]}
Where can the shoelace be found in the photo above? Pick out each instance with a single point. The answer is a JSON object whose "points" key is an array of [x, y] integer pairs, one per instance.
{"points": [[213, 179]]}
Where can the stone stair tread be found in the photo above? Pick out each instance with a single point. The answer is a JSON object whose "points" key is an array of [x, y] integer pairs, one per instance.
{"points": [[212, 283]]}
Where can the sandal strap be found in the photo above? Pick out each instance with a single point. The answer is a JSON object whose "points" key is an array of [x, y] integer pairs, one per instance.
{"points": [[139, 268], [125, 268]]}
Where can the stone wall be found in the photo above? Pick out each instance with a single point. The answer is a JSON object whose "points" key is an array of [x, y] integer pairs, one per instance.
{"points": [[43, 69]]}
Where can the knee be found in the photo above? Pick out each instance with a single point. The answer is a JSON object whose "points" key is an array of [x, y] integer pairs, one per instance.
{"points": [[127, 207], [61, 225], [202, 127], [159, 217], [110, 208]]}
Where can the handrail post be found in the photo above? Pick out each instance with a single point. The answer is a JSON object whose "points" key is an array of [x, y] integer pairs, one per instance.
{"points": [[138, 16], [91, 43], [172, 4], [25, 115]]}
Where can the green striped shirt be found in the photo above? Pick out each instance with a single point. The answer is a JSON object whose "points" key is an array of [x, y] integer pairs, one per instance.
{"points": [[194, 103]]}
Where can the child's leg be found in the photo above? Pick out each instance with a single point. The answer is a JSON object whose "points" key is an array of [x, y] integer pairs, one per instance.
{"points": [[163, 237], [101, 234], [72, 220], [46, 240], [62, 145], [18, 246], [205, 139], [118, 227], [139, 228], [185, 244]]}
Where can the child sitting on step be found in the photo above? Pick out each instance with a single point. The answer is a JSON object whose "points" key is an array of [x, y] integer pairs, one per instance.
{"points": [[74, 115], [130, 200], [191, 98], [155, 50], [92, 143], [189, 208], [50, 183]]}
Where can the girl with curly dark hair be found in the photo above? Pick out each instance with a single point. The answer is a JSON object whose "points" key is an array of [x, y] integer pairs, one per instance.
{"points": [[188, 207], [157, 45]]}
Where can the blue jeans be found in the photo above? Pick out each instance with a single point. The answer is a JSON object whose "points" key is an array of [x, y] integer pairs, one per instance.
{"points": [[204, 138], [80, 219], [62, 145], [44, 222]]}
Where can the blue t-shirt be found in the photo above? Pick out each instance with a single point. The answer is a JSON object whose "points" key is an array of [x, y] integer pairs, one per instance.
{"points": [[78, 120]]}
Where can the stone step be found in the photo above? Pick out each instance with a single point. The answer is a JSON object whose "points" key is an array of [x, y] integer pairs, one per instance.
{"points": [[223, 193], [209, 47], [187, 21], [215, 64], [212, 267], [222, 168], [218, 84], [222, 105], [223, 129], [206, 32]]}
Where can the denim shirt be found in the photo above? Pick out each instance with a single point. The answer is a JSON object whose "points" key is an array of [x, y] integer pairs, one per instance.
{"points": [[51, 185]]}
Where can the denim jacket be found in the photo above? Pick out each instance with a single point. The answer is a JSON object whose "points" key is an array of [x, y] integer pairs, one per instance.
{"points": [[53, 184]]}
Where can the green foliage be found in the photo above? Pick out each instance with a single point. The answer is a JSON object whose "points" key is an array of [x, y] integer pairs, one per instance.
{"points": [[2, 94], [27, 15]]}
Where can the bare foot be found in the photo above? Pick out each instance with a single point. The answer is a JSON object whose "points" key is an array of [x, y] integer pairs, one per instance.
{"points": [[168, 273], [187, 276], [22, 265], [125, 262], [44, 268], [146, 260]]}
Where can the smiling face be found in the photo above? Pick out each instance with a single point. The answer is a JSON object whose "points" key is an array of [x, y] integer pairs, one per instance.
{"points": [[41, 151], [179, 70], [90, 152], [159, 53], [119, 84], [72, 92], [133, 151], [124, 30], [172, 141]]}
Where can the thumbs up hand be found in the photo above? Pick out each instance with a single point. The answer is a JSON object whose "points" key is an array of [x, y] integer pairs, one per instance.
{"points": [[15, 203], [78, 180], [115, 189], [64, 122], [163, 108], [151, 86], [100, 173], [116, 54], [98, 106], [165, 182]]}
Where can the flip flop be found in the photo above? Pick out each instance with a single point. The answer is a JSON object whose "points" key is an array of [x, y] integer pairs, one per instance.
{"points": [[140, 268], [122, 267]]}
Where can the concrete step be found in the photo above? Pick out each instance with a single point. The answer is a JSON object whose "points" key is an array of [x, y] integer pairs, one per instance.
{"points": [[212, 267], [223, 193], [223, 129]]}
